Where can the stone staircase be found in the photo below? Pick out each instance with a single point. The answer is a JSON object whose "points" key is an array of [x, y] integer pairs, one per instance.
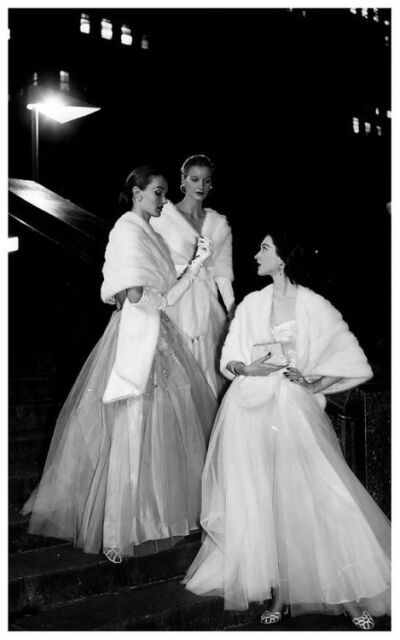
{"points": [[54, 587]]}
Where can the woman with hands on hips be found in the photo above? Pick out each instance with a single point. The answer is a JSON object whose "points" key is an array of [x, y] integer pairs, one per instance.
{"points": [[198, 312], [285, 519]]}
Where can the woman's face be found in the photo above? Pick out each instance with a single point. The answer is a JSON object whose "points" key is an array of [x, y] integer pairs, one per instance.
{"points": [[153, 197], [198, 182], [267, 259]]}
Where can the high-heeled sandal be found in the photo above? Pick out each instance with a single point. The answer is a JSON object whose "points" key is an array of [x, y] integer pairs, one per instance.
{"points": [[272, 617], [113, 554], [365, 621]]}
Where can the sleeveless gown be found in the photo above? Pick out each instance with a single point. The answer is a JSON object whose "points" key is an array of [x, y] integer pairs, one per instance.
{"points": [[281, 509], [127, 475]]}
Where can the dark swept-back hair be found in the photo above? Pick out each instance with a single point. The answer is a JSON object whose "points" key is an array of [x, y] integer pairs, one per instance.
{"points": [[141, 178], [198, 160], [293, 253]]}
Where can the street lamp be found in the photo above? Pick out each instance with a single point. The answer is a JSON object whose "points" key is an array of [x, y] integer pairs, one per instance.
{"points": [[57, 105]]}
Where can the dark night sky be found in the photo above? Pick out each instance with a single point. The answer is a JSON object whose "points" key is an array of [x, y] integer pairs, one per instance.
{"points": [[267, 93]]}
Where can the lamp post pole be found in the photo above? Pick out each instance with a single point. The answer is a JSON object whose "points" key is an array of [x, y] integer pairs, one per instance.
{"points": [[35, 144], [58, 105]]}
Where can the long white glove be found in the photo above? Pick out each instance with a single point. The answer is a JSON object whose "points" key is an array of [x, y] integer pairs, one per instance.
{"points": [[203, 251], [152, 299]]}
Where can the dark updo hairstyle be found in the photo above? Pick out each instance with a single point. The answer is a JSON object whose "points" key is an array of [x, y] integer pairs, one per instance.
{"points": [[139, 177], [198, 160], [293, 253]]}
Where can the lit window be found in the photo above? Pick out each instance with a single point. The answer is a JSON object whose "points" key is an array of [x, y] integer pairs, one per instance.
{"points": [[106, 29], [85, 23], [126, 35], [379, 130], [364, 13], [387, 40], [386, 23], [376, 15], [303, 13], [13, 244], [356, 125], [388, 114], [377, 111], [367, 127], [64, 81], [353, 11], [145, 42]]}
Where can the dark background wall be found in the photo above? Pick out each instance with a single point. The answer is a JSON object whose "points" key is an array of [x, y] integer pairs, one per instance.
{"points": [[269, 94]]}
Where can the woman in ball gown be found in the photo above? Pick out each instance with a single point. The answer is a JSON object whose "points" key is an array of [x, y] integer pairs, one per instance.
{"points": [[123, 472], [285, 519], [199, 313]]}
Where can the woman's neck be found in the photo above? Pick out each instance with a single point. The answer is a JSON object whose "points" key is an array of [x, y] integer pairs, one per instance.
{"points": [[141, 214], [283, 288], [191, 208]]}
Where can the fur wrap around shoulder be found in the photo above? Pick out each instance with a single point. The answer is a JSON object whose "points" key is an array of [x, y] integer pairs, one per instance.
{"points": [[135, 256], [182, 238], [325, 345]]}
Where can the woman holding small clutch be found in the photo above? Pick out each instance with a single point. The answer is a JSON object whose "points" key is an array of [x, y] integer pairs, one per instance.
{"points": [[285, 518]]}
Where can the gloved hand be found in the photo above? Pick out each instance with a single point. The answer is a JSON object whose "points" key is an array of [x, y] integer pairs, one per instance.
{"points": [[151, 298], [203, 251]]}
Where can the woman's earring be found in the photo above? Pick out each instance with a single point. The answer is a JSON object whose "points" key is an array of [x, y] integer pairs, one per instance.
{"points": [[281, 269]]}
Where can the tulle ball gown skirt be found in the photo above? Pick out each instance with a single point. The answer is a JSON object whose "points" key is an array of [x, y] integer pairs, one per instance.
{"points": [[281, 509], [127, 475]]}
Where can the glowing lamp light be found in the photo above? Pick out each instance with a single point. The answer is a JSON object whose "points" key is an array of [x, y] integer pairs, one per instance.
{"points": [[56, 109], [57, 105]]}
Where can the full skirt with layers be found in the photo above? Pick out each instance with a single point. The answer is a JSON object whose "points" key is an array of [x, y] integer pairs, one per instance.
{"points": [[127, 475], [282, 510]]}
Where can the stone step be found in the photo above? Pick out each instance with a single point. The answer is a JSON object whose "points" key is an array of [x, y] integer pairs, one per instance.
{"points": [[21, 482], [28, 447], [33, 389], [311, 623], [165, 606], [20, 540], [54, 575], [32, 418]]}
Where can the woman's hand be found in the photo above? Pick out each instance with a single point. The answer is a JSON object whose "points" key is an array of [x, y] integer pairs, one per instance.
{"points": [[294, 375], [260, 367], [203, 251], [204, 248]]}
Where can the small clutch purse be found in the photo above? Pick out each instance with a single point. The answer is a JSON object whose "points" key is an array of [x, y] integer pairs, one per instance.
{"points": [[277, 357]]}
